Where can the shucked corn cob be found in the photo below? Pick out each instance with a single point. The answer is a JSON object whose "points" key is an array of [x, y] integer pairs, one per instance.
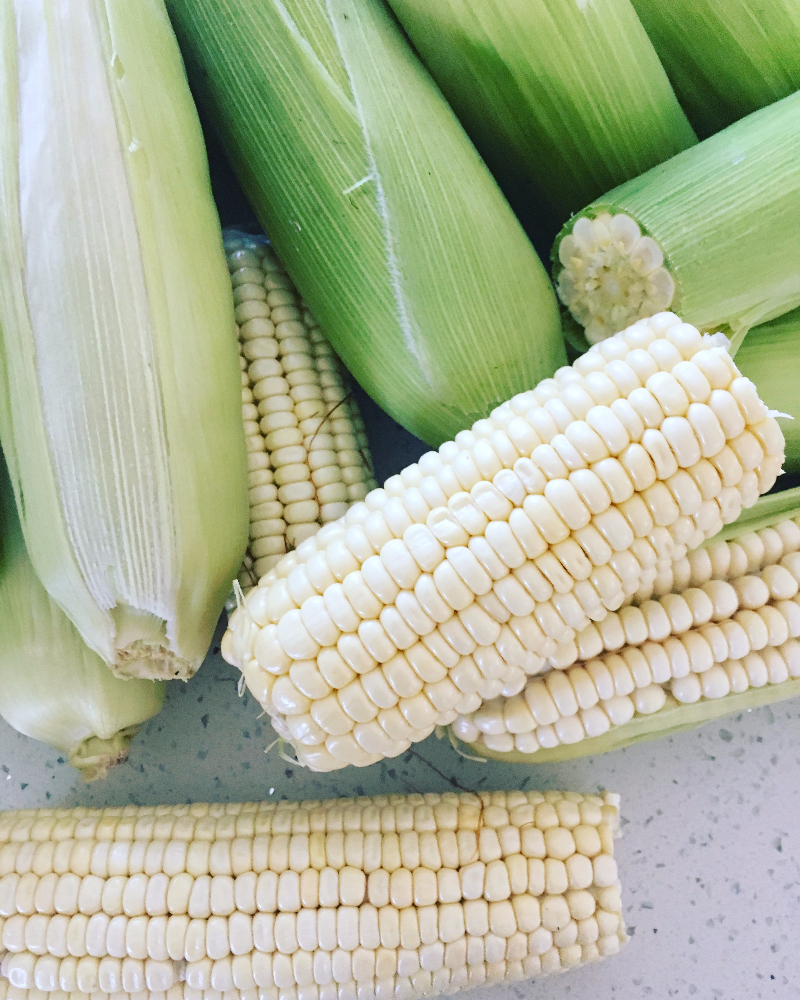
{"points": [[731, 624], [393, 896], [468, 570], [308, 456]]}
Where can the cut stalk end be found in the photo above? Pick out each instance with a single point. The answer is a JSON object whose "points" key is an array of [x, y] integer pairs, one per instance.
{"points": [[143, 649], [611, 274], [151, 662]]}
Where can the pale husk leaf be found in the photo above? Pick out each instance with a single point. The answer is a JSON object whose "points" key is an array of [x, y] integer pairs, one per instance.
{"points": [[52, 686], [123, 434]]}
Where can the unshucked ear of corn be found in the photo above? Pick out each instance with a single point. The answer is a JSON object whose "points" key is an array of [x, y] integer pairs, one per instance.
{"points": [[713, 233], [570, 94], [307, 452], [377, 203], [725, 58], [52, 687], [120, 416], [717, 634], [473, 567], [391, 896]]}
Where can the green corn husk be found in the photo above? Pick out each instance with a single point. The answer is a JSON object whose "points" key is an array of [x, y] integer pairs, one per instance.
{"points": [[770, 357], [720, 235], [569, 94], [725, 58], [675, 717], [52, 687], [385, 217], [121, 401]]}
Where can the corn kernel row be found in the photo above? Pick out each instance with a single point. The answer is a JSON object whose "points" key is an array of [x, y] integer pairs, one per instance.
{"points": [[468, 570], [730, 561], [307, 451], [708, 642], [391, 893], [420, 984], [747, 553]]}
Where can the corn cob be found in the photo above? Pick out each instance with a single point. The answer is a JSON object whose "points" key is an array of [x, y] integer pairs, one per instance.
{"points": [[308, 456], [725, 58], [399, 896], [726, 625], [467, 571], [530, 82]]}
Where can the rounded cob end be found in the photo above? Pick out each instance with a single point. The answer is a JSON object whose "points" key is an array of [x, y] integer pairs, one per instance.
{"points": [[611, 275], [95, 757]]}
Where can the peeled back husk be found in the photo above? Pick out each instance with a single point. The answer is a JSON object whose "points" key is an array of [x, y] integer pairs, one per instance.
{"points": [[390, 225], [571, 95], [52, 687], [118, 364]]}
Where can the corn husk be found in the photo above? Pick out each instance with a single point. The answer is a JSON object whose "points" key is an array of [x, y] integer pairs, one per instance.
{"points": [[720, 235], [770, 357], [121, 418], [725, 58], [385, 217], [571, 95], [52, 687]]}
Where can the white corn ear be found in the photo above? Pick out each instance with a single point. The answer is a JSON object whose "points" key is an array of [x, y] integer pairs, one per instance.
{"points": [[474, 566], [395, 895]]}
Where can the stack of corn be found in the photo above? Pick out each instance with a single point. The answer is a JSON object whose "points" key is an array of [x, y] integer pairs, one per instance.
{"points": [[731, 625], [308, 456], [394, 896], [470, 569]]}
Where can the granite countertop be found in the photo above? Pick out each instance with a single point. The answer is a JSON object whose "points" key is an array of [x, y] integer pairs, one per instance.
{"points": [[710, 852]]}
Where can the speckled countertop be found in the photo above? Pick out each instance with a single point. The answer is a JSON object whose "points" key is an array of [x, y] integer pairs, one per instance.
{"points": [[710, 853]]}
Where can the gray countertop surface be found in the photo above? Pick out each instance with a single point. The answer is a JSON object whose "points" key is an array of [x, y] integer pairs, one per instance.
{"points": [[710, 849]]}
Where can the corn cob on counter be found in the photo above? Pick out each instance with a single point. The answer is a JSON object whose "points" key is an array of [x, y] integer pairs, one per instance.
{"points": [[307, 451], [392, 896], [482, 563]]}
